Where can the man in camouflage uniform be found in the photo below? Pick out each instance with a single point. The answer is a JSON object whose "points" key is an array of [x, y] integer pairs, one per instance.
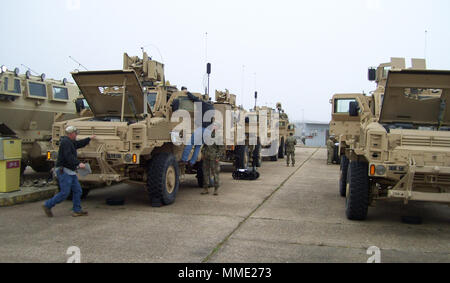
{"points": [[330, 148], [291, 142], [211, 156]]}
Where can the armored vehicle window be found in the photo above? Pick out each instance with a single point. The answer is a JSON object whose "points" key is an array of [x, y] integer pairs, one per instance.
{"points": [[111, 91], [17, 88], [86, 104], [342, 105], [37, 90], [186, 103], [5, 86], [60, 93], [422, 93], [151, 98]]}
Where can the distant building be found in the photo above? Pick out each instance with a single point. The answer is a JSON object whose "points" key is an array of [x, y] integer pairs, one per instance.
{"points": [[315, 133]]}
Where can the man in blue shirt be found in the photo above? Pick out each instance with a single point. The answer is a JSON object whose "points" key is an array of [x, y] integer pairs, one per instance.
{"points": [[66, 167]]}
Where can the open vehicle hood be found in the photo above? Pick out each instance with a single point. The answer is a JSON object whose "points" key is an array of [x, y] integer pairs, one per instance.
{"points": [[93, 84], [423, 109]]}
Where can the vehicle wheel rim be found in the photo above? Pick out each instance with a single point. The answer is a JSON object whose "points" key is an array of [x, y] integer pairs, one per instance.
{"points": [[170, 179]]}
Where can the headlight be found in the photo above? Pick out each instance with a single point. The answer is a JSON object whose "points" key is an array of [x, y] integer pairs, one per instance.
{"points": [[128, 158], [380, 170]]}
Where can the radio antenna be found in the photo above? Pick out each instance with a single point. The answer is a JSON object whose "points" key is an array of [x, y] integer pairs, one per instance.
{"points": [[79, 64], [30, 69]]}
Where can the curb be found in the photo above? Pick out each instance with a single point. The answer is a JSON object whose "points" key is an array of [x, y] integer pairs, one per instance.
{"points": [[30, 194]]}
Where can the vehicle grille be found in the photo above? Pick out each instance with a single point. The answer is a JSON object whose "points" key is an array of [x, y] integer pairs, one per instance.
{"points": [[97, 131], [425, 141], [421, 178]]}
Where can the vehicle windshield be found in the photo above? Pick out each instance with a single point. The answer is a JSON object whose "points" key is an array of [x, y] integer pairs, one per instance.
{"points": [[186, 104], [151, 99], [343, 105]]}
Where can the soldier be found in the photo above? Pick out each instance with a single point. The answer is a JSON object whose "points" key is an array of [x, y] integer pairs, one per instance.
{"points": [[211, 156], [330, 148], [291, 142]]}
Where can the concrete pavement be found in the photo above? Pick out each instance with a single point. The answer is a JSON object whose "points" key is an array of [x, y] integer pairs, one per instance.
{"points": [[288, 215]]}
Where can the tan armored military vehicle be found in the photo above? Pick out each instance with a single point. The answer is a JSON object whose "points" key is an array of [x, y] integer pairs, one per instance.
{"points": [[238, 147], [404, 153], [29, 105], [345, 128], [270, 140], [132, 123], [277, 135]]}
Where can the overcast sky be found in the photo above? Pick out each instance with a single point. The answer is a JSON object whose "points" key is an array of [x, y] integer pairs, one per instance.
{"points": [[295, 52]]}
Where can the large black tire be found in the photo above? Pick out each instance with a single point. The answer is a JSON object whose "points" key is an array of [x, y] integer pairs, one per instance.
{"points": [[163, 179], [241, 158], [343, 178], [281, 149], [41, 165], [357, 201]]}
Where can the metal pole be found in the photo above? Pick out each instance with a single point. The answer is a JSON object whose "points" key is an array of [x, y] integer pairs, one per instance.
{"points": [[123, 98]]}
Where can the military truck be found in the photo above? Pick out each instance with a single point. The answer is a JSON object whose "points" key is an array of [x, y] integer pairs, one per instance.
{"points": [[283, 128], [134, 131], [29, 105], [404, 154], [345, 128], [270, 139], [239, 148]]}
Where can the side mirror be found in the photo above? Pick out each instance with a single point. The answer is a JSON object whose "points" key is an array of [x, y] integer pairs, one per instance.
{"points": [[353, 109], [79, 105], [372, 74]]}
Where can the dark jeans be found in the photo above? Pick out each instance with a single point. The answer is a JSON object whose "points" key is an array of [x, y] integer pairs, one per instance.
{"points": [[67, 183]]}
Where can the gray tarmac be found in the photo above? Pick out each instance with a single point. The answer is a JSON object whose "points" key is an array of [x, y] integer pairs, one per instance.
{"points": [[288, 215]]}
